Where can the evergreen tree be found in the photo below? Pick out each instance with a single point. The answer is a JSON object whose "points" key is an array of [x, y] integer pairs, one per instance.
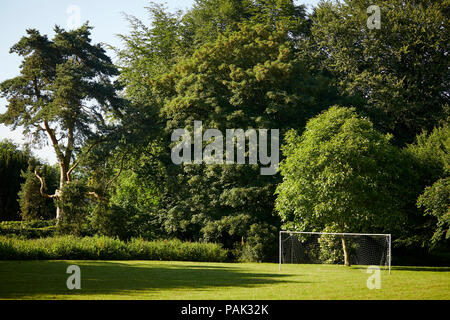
{"points": [[32, 204], [12, 162], [64, 93]]}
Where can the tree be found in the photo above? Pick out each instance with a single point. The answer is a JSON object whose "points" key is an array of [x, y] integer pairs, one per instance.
{"points": [[341, 175], [74, 205], [431, 149], [32, 204], [426, 216], [399, 70], [64, 92], [148, 51], [152, 50], [131, 211], [230, 64], [249, 78], [436, 201], [207, 19], [12, 162]]}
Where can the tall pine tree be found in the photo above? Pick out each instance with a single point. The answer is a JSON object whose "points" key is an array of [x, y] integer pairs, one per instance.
{"points": [[64, 93]]}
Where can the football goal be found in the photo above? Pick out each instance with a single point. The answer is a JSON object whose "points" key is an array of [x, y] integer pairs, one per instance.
{"points": [[335, 248]]}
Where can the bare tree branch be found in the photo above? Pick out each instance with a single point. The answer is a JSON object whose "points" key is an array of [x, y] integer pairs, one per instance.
{"points": [[95, 195], [54, 140], [69, 172], [118, 174], [41, 189], [38, 127]]}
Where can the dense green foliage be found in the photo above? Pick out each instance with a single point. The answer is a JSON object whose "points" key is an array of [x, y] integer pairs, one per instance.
{"points": [[20, 196], [12, 162], [429, 161], [240, 75], [249, 78], [74, 205], [436, 201], [362, 114], [105, 248], [32, 204], [401, 69], [64, 93], [341, 174], [28, 229]]}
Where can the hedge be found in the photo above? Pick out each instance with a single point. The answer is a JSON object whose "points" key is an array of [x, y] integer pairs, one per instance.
{"points": [[106, 248], [28, 229]]}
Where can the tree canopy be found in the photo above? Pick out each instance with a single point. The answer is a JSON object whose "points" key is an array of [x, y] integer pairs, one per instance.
{"points": [[362, 116], [340, 174], [400, 70], [64, 93]]}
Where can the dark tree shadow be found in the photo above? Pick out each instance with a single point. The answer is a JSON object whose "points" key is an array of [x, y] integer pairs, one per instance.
{"points": [[406, 268], [433, 269], [36, 278]]}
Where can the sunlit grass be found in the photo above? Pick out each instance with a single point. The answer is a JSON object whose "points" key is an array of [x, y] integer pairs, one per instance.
{"points": [[195, 280]]}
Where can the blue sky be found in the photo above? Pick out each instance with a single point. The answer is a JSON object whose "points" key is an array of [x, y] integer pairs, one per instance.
{"points": [[105, 15]]}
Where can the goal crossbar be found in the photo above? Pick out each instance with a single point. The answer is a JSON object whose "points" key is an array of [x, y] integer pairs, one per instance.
{"points": [[387, 235], [340, 234]]}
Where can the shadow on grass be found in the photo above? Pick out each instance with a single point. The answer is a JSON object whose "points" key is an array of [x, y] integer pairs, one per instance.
{"points": [[433, 269], [28, 279], [406, 268]]}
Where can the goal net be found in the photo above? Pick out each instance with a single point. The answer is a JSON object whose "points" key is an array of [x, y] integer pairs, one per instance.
{"points": [[335, 248]]}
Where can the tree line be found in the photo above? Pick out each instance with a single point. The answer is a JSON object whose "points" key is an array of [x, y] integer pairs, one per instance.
{"points": [[362, 114]]}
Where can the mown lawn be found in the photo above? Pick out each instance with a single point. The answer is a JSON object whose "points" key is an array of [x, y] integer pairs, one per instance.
{"points": [[189, 280]]}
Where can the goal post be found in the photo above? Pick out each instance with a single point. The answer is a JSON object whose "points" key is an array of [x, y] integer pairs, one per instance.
{"points": [[363, 249]]}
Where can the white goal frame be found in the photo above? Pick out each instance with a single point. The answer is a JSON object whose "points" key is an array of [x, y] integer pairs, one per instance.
{"points": [[388, 235]]}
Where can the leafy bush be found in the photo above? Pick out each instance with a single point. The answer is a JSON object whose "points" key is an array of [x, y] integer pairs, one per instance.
{"points": [[32, 204], [74, 205], [260, 245], [105, 248], [341, 172], [331, 249], [12, 161], [436, 202], [28, 229], [123, 222]]}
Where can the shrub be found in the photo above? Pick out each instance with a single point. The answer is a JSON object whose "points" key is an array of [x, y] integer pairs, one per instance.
{"points": [[106, 248], [260, 245], [125, 223], [32, 204], [74, 205], [28, 229], [331, 249], [436, 202]]}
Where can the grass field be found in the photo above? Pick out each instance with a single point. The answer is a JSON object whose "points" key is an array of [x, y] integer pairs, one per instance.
{"points": [[189, 280]]}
